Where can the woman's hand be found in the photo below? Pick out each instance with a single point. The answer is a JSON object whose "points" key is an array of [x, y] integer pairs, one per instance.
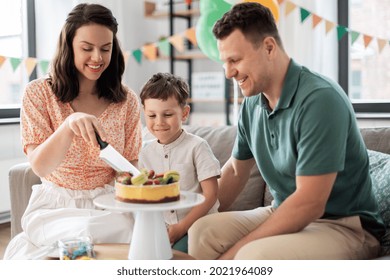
{"points": [[84, 125]]}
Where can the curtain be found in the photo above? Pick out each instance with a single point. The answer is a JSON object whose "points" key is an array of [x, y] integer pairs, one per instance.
{"points": [[310, 46]]}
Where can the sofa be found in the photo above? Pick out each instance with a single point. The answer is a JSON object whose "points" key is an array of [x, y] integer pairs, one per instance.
{"points": [[255, 193]]}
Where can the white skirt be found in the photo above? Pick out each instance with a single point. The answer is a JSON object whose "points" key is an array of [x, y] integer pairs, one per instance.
{"points": [[55, 213]]}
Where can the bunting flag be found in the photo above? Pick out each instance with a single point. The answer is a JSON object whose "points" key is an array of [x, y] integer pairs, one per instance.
{"points": [[289, 7], [304, 14], [44, 65], [137, 54], [341, 31], [2, 60], [126, 56], [329, 26], [354, 36], [367, 40], [150, 51], [164, 47], [15, 62], [381, 44], [30, 63], [316, 20], [191, 35], [178, 42]]}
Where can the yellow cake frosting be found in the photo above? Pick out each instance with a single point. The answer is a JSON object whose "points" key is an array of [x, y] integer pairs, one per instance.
{"points": [[147, 193]]}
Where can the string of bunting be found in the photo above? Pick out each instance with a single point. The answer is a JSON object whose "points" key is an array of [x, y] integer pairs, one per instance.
{"points": [[161, 48], [329, 25]]}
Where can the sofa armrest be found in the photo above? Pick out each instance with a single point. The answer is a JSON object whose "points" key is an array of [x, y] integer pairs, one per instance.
{"points": [[21, 179]]}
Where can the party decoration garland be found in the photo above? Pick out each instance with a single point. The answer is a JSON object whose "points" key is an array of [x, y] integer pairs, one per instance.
{"points": [[200, 36]]}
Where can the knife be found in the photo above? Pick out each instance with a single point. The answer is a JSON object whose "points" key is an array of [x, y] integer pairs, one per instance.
{"points": [[114, 159]]}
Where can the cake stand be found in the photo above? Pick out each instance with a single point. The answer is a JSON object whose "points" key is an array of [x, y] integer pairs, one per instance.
{"points": [[150, 239]]}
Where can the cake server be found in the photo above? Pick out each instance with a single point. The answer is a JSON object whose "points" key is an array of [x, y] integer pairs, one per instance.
{"points": [[114, 159]]}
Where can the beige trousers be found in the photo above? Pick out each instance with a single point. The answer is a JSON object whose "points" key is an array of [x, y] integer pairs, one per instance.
{"points": [[214, 234]]}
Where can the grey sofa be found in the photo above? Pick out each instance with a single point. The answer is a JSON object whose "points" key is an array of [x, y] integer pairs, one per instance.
{"points": [[221, 140]]}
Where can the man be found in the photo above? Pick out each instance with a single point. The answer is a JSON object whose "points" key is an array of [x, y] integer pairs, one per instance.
{"points": [[299, 128]]}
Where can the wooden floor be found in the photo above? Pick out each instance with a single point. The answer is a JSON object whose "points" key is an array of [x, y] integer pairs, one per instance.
{"points": [[5, 233]]}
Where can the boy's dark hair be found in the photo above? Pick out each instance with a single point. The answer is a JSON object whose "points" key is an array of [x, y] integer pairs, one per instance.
{"points": [[63, 76], [253, 19], [164, 85]]}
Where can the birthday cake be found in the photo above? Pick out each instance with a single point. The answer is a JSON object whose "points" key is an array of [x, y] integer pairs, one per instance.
{"points": [[147, 187]]}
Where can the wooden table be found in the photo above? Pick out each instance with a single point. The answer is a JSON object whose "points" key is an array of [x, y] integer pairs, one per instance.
{"points": [[119, 251]]}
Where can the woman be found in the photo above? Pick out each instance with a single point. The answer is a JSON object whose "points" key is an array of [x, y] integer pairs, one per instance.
{"points": [[60, 115]]}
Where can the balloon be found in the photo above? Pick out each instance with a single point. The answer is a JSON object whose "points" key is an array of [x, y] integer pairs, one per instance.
{"points": [[210, 12], [233, 2], [270, 4]]}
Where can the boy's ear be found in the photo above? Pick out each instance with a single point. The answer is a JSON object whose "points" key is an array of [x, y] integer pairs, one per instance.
{"points": [[186, 112]]}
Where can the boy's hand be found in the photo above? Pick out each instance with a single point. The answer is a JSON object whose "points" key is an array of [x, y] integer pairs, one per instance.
{"points": [[175, 232]]}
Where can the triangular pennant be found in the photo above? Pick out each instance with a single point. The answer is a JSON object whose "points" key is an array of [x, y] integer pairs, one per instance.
{"points": [[341, 30], [381, 44], [30, 63], [329, 26], [304, 14], [316, 20], [15, 62], [44, 65], [126, 55], [191, 35], [164, 47], [354, 36], [150, 51], [367, 40], [289, 7], [137, 54], [2, 60], [178, 42]]}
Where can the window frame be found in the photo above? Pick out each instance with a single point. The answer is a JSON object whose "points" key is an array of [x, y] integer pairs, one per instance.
{"points": [[377, 110], [11, 114]]}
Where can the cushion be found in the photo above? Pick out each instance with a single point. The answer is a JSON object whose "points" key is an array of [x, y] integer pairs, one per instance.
{"points": [[221, 140], [380, 174]]}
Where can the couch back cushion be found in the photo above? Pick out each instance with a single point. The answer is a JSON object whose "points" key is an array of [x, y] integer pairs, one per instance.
{"points": [[221, 140], [377, 139]]}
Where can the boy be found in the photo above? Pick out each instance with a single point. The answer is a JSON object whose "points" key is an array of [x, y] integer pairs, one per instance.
{"points": [[164, 99]]}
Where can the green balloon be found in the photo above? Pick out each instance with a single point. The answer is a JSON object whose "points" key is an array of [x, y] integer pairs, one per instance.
{"points": [[210, 12]]}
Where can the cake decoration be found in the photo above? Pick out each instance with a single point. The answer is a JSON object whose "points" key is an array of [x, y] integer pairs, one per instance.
{"points": [[147, 187]]}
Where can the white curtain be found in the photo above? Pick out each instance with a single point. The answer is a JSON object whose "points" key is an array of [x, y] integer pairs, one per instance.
{"points": [[311, 47]]}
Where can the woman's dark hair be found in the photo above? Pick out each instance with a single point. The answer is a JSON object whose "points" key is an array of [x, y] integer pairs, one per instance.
{"points": [[164, 85], [63, 76], [254, 20]]}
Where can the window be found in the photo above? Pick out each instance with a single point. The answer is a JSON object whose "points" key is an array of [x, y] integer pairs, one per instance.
{"points": [[367, 82], [15, 32]]}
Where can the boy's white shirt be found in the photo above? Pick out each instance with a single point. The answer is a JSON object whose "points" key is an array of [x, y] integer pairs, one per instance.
{"points": [[191, 156]]}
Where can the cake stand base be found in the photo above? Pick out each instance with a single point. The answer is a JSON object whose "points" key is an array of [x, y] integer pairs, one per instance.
{"points": [[149, 226]]}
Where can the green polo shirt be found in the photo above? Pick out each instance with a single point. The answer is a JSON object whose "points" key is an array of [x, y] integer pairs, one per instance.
{"points": [[311, 131]]}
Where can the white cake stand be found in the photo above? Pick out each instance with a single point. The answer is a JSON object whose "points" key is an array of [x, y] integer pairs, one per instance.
{"points": [[150, 237]]}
